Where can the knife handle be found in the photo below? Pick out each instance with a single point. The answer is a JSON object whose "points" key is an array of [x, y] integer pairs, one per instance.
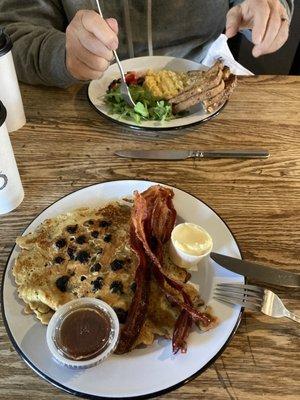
{"points": [[230, 154]]}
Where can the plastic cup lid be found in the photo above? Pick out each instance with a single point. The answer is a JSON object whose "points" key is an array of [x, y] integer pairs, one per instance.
{"points": [[5, 42], [3, 113]]}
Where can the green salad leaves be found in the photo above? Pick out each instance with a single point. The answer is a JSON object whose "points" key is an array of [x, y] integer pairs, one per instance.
{"points": [[147, 107]]}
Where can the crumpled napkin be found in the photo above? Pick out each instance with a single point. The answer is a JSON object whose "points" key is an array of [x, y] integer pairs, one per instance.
{"points": [[220, 49]]}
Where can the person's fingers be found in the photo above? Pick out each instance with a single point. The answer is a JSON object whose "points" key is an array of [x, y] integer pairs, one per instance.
{"points": [[81, 71], [267, 19], [233, 21], [89, 43], [260, 21], [92, 61], [92, 44], [279, 41], [96, 25], [113, 24], [272, 29]]}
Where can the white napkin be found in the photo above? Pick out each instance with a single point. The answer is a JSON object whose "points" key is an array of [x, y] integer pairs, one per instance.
{"points": [[220, 49]]}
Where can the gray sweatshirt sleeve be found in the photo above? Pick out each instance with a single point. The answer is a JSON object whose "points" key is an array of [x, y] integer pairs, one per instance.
{"points": [[289, 5], [37, 29]]}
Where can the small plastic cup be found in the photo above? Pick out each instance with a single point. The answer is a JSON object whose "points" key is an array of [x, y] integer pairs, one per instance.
{"points": [[184, 259], [65, 310]]}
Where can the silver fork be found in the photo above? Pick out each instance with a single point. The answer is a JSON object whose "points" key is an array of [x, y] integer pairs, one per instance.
{"points": [[124, 89], [254, 298]]}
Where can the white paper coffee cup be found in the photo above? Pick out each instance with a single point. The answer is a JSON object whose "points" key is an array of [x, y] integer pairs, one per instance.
{"points": [[9, 87], [11, 189]]}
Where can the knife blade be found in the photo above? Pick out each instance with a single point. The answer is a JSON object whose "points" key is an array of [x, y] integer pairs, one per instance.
{"points": [[184, 154], [273, 276]]}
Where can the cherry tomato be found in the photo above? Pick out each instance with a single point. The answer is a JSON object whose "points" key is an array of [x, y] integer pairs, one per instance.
{"points": [[131, 78]]}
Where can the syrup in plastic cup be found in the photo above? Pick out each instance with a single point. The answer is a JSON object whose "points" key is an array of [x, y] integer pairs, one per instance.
{"points": [[61, 315]]}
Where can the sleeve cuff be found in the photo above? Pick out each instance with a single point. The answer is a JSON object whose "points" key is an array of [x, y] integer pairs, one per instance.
{"points": [[289, 6], [62, 76]]}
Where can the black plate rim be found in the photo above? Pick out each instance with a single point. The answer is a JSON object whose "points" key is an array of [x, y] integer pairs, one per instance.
{"points": [[147, 128], [93, 397]]}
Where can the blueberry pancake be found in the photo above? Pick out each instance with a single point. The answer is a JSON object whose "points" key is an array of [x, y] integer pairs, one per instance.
{"points": [[87, 253]]}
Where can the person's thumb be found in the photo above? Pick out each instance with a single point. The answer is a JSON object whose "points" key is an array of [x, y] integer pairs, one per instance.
{"points": [[113, 24], [233, 21]]}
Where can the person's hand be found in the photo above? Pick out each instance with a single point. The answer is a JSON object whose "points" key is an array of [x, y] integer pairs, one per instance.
{"points": [[89, 43], [268, 20]]}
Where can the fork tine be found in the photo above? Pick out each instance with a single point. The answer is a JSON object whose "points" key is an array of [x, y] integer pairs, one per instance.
{"points": [[253, 288], [239, 294], [248, 296], [239, 297], [240, 290], [247, 305]]}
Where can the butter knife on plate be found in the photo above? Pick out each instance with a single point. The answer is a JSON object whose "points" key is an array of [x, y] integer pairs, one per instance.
{"points": [[262, 273], [184, 154]]}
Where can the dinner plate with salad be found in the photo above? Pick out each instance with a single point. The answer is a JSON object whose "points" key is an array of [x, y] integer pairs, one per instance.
{"points": [[169, 93]]}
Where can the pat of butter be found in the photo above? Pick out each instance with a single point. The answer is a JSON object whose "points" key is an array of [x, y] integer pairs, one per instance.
{"points": [[191, 239], [189, 245]]}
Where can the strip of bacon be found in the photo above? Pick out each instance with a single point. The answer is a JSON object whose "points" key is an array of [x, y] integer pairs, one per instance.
{"points": [[153, 218], [153, 231], [138, 308], [163, 217], [138, 222], [181, 332]]}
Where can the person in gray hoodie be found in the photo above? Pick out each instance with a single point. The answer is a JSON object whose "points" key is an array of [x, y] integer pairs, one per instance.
{"points": [[61, 42]]}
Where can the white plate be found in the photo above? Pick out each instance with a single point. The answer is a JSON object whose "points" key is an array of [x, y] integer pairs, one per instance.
{"points": [[98, 88], [143, 372]]}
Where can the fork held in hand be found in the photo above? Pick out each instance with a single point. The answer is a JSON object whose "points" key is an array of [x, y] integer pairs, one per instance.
{"points": [[124, 89], [253, 298]]}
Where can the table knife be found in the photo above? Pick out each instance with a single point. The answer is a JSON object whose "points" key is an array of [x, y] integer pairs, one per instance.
{"points": [[273, 276], [184, 154]]}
